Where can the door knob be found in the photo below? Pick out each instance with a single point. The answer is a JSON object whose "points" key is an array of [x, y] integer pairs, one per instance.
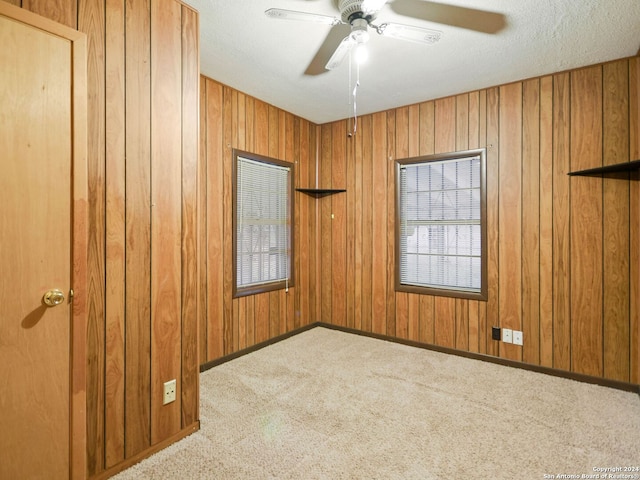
{"points": [[53, 297]]}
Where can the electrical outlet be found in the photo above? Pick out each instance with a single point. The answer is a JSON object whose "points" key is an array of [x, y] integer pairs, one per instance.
{"points": [[507, 335], [169, 392], [517, 337]]}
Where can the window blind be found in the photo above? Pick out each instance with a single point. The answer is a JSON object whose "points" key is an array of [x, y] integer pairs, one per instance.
{"points": [[440, 224], [262, 223]]}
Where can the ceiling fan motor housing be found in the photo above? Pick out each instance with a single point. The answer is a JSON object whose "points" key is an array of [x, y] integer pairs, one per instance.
{"points": [[351, 10]]}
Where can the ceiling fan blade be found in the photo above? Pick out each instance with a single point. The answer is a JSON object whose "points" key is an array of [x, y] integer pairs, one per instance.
{"points": [[468, 18], [341, 52], [370, 7], [282, 14], [328, 47], [409, 32]]}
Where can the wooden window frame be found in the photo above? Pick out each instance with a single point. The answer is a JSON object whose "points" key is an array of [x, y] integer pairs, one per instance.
{"points": [[446, 292], [277, 284]]}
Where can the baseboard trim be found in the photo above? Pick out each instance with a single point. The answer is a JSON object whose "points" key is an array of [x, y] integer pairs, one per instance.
{"points": [[131, 461], [618, 385], [232, 356]]}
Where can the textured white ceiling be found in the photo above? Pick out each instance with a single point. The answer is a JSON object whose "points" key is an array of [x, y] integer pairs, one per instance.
{"points": [[273, 59]]}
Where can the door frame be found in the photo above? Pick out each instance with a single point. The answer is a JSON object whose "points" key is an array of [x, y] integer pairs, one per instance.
{"points": [[79, 247]]}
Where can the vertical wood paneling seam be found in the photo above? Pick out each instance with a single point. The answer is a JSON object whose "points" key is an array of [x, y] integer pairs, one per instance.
{"points": [[180, 366], [124, 339], [104, 241], [546, 191], [151, 187], [205, 228], [539, 126], [633, 148], [629, 275], [629, 235], [317, 225], [567, 116], [630, 221], [151, 197], [495, 136], [522, 207], [497, 210], [227, 167], [553, 206], [570, 243], [602, 224], [523, 174], [330, 234], [390, 156]]}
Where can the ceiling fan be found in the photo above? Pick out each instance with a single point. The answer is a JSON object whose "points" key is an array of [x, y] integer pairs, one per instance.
{"points": [[361, 14]]}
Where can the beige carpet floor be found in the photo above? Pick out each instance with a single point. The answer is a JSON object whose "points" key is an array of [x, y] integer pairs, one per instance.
{"points": [[325, 404]]}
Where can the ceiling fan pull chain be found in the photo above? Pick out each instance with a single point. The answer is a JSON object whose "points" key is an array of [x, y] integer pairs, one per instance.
{"points": [[355, 95], [349, 89]]}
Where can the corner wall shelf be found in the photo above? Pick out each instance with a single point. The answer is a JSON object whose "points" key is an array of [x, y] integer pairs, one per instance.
{"points": [[320, 192], [618, 167]]}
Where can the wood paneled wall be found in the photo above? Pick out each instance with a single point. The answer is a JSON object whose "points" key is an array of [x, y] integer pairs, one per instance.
{"points": [[563, 252], [563, 259], [143, 76], [230, 119]]}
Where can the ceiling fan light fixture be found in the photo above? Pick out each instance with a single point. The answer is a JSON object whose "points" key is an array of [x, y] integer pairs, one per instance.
{"points": [[360, 37], [360, 53], [359, 31]]}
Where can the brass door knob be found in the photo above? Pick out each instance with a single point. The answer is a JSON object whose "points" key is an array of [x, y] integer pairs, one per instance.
{"points": [[53, 297]]}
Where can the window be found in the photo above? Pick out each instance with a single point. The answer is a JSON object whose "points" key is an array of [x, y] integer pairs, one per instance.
{"points": [[262, 230], [441, 225]]}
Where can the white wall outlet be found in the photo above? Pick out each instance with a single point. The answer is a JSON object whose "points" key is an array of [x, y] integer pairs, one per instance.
{"points": [[517, 337], [169, 392], [507, 335]]}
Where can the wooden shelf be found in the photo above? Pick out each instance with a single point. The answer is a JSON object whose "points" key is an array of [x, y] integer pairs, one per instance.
{"points": [[618, 167], [320, 192]]}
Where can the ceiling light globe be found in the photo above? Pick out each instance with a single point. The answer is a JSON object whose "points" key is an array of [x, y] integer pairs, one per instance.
{"points": [[361, 54]]}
